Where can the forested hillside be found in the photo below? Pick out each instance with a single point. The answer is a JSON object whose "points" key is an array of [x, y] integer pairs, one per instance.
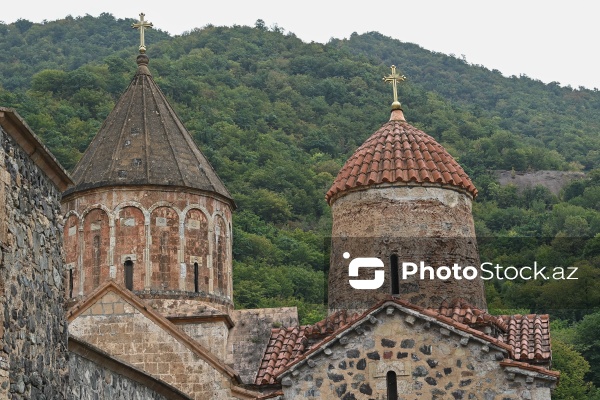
{"points": [[278, 117]]}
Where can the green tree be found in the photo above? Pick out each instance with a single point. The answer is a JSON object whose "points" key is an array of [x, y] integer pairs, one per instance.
{"points": [[573, 368]]}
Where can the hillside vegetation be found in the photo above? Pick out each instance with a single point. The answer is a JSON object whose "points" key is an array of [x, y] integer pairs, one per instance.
{"points": [[278, 117]]}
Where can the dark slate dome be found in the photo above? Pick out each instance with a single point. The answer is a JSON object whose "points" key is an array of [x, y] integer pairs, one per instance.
{"points": [[400, 153], [143, 142]]}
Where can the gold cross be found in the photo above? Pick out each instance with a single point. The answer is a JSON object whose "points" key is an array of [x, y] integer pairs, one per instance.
{"points": [[142, 25], [394, 78]]}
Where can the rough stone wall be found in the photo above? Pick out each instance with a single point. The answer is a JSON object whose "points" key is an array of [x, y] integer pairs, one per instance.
{"points": [[430, 224], [33, 333], [211, 335], [163, 231], [118, 328], [90, 381], [249, 337], [430, 362]]}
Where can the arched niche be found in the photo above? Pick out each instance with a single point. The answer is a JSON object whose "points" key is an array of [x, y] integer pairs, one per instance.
{"points": [[196, 250], [130, 243], [96, 242], [164, 231], [221, 257]]}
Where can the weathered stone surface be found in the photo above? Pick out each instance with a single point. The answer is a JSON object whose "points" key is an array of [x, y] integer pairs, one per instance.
{"points": [[249, 337], [142, 339], [177, 241], [33, 335], [90, 381], [421, 224]]}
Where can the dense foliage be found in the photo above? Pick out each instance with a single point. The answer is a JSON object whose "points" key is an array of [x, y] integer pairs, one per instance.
{"points": [[278, 117]]}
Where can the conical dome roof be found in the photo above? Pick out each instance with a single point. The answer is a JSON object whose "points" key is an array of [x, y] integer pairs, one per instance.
{"points": [[143, 142], [400, 153]]}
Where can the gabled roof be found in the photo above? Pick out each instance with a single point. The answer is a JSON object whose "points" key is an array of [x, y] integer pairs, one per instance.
{"points": [[81, 306], [399, 153], [12, 123], [143, 142], [290, 346]]}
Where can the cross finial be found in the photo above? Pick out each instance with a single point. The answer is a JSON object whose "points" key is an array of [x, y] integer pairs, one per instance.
{"points": [[394, 78], [142, 25]]}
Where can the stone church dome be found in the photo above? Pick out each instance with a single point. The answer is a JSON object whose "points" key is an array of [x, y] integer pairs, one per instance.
{"points": [[401, 197], [143, 142], [147, 209], [399, 153]]}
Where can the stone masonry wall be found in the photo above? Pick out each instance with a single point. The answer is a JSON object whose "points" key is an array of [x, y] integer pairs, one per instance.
{"points": [[33, 332], [250, 336], [430, 362], [211, 335], [429, 224], [90, 381], [115, 326], [177, 241]]}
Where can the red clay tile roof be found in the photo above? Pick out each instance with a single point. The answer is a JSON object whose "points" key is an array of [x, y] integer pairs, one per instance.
{"points": [[526, 338], [465, 313], [529, 336], [284, 346], [399, 152], [330, 324]]}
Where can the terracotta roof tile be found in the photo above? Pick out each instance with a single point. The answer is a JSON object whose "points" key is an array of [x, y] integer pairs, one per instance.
{"points": [[463, 312], [529, 336], [415, 156], [284, 346]]}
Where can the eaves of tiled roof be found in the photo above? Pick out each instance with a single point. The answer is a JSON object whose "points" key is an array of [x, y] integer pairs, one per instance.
{"points": [[286, 344]]}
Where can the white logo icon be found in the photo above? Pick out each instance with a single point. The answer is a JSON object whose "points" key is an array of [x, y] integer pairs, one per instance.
{"points": [[365, 262]]}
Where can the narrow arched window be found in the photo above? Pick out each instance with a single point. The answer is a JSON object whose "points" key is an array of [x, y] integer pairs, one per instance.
{"points": [[71, 282], [392, 386], [196, 272], [220, 277], [394, 274], [129, 274], [97, 257]]}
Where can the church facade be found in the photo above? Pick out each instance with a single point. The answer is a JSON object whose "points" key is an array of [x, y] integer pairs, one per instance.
{"points": [[142, 306]]}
